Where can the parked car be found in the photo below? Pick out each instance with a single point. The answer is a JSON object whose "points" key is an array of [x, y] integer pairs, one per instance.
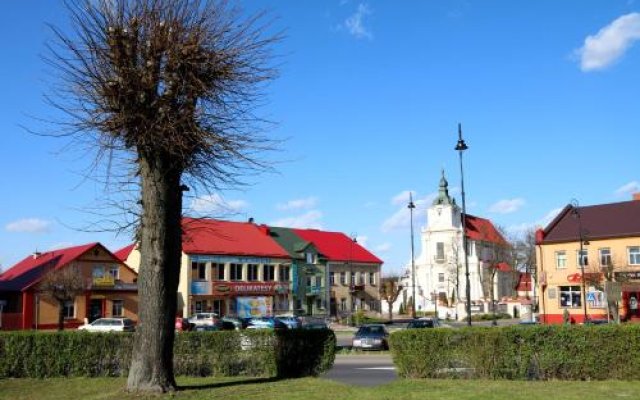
{"points": [[291, 321], [237, 323], [266, 323], [200, 319], [371, 337], [109, 325], [424, 323]]}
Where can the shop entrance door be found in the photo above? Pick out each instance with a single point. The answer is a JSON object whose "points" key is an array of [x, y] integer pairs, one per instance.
{"points": [[95, 309]]}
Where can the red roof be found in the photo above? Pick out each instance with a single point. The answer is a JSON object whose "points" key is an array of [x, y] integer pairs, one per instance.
{"points": [[124, 252], [482, 229], [503, 267], [30, 270], [524, 282], [337, 246], [211, 236]]}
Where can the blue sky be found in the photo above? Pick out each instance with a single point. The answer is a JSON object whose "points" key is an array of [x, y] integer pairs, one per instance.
{"points": [[368, 98]]}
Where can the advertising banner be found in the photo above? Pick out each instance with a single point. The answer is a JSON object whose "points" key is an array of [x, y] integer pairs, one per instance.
{"points": [[221, 288], [249, 307], [200, 287]]}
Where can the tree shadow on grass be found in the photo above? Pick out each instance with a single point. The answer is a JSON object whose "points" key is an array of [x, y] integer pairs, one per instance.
{"points": [[217, 385]]}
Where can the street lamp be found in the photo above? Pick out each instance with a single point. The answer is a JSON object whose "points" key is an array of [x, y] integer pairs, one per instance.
{"points": [[351, 276], [411, 206], [581, 260], [461, 146]]}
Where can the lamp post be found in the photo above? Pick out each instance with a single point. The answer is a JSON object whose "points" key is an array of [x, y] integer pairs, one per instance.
{"points": [[351, 276], [411, 206], [581, 259], [461, 146]]}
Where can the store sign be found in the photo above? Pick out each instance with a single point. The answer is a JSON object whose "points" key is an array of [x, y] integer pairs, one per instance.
{"points": [[199, 287], [249, 288], [627, 275], [107, 280]]}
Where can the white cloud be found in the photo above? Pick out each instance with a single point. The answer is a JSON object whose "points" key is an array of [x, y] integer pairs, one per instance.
{"points": [[401, 198], [401, 219], [214, 204], [540, 223], [507, 206], [60, 245], [29, 225], [298, 204], [362, 240], [610, 43], [382, 248], [355, 23], [629, 188], [311, 219]]}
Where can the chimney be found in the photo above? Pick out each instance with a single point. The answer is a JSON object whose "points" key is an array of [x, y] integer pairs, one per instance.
{"points": [[636, 196], [264, 229], [36, 254], [251, 220]]}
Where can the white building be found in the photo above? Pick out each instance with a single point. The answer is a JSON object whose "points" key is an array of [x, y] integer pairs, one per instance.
{"points": [[440, 266]]}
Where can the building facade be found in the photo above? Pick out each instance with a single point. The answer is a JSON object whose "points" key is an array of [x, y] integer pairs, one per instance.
{"points": [[440, 282], [111, 289], [590, 256]]}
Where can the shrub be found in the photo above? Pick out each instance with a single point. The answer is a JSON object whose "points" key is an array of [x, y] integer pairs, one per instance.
{"points": [[252, 353], [519, 352]]}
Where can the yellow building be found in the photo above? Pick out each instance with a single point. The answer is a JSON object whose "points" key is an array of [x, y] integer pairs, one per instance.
{"points": [[110, 289], [584, 253]]}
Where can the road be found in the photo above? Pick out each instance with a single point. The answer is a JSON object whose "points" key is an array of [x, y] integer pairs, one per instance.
{"points": [[368, 369]]}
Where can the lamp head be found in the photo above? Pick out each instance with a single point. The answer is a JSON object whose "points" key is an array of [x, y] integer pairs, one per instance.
{"points": [[461, 146]]}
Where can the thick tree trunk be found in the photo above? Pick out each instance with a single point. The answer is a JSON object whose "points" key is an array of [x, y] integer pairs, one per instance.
{"points": [[160, 239]]}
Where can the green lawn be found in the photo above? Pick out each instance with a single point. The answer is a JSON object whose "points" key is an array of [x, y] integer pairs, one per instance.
{"points": [[310, 388]]}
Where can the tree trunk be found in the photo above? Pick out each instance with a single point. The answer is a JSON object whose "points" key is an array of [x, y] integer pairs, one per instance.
{"points": [[61, 316], [390, 310], [160, 238]]}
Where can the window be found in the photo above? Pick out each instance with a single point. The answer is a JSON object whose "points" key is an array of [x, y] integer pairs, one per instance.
{"points": [[97, 272], [561, 259], [309, 281], [117, 308], [363, 278], [372, 278], [583, 257], [343, 304], [570, 296], [310, 258], [236, 272], [200, 306], [343, 278], [198, 271], [634, 255], [217, 272], [440, 251], [69, 309], [268, 272], [352, 281], [441, 277], [605, 257], [252, 272], [332, 279], [284, 274], [114, 272]]}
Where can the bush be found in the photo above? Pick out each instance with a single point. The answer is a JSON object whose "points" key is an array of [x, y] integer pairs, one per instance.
{"points": [[252, 353], [520, 352], [489, 317]]}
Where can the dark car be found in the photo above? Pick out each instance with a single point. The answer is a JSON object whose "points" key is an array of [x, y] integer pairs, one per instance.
{"points": [[424, 323], [266, 323], [371, 337]]}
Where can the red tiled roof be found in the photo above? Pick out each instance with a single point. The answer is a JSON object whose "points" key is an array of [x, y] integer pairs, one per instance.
{"points": [[29, 270], [211, 236], [598, 221], [524, 282], [503, 267], [124, 252], [337, 246], [482, 229]]}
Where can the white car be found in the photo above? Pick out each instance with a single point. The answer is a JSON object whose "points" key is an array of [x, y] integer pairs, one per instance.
{"points": [[203, 319], [109, 325]]}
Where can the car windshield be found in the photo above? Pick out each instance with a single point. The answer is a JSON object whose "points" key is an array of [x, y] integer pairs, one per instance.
{"points": [[421, 324], [368, 330]]}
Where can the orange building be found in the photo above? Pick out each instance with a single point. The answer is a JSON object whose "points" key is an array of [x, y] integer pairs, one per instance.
{"points": [[111, 289], [584, 251]]}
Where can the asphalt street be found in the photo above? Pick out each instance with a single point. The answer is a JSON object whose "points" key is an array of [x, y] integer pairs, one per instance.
{"points": [[370, 369]]}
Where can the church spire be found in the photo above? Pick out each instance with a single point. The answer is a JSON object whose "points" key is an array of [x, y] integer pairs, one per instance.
{"points": [[443, 193]]}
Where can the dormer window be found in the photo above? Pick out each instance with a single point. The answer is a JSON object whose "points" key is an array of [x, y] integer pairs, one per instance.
{"points": [[310, 257]]}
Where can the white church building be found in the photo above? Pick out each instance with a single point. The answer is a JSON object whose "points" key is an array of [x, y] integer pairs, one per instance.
{"points": [[440, 284]]}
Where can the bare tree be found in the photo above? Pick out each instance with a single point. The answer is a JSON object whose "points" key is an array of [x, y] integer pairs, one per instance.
{"points": [[494, 255], [389, 292], [453, 270], [169, 89], [62, 285], [606, 271]]}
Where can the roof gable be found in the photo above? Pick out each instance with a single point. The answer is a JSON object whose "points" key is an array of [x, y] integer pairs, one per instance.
{"points": [[481, 229], [124, 252], [598, 221], [337, 246]]}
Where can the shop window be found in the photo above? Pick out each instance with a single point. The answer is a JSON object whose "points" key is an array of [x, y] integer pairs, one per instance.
{"points": [[605, 257], [69, 309], [268, 272], [117, 308], [236, 272], [200, 306], [561, 259], [252, 272], [570, 296], [198, 271], [217, 307], [217, 271], [634, 255]]}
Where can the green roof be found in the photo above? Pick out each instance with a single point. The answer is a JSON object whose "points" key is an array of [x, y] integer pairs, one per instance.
{"points": [[289, 241]]}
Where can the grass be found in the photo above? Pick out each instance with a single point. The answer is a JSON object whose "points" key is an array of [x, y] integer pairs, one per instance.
{"points": [[314, 388]]}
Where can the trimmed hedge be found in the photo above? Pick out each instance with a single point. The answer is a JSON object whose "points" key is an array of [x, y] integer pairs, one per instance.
{"points": [[520, 352], [252, 353]]}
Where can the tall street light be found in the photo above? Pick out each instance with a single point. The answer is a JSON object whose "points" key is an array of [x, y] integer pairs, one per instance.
{"points": [[461, 146], [411, 206], [581, 259]]}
